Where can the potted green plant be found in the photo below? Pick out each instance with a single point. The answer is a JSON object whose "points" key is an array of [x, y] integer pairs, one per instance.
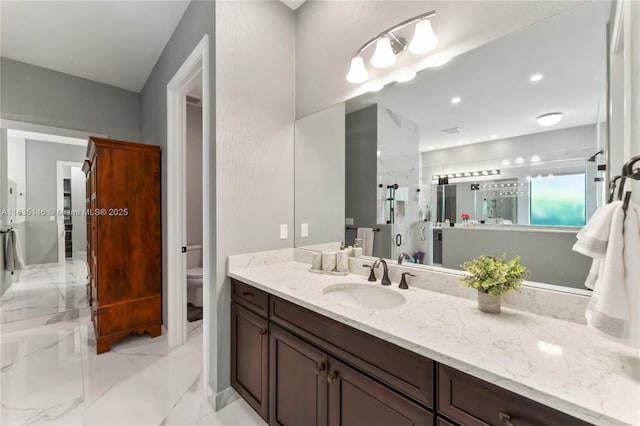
{"points": [[493, 277]]}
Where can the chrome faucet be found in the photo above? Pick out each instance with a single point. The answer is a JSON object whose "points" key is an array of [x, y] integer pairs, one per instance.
{"points": [[385, 277], [402, 257]]}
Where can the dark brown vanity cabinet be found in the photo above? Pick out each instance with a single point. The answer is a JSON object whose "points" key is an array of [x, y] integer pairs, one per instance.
{"points": [[298, 381], [250, 357], [299, 368]]}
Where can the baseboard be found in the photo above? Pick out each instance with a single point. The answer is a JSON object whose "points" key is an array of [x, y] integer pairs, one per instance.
{"points": [[224, 398]]}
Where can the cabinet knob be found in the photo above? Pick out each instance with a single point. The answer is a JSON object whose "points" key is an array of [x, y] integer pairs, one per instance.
{"points": [[319, 369], [505, 418], [333, 377]]}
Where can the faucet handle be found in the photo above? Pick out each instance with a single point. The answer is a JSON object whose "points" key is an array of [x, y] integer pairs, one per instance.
{"points": [[372, 275], [403, 282]]}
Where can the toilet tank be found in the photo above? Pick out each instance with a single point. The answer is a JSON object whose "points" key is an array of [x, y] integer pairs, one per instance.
{"points": [[194, 256]]}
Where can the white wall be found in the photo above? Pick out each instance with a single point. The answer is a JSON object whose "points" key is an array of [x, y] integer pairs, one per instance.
{"points": [[328, 33], [320, 176], [78, 202], [254, 142]]}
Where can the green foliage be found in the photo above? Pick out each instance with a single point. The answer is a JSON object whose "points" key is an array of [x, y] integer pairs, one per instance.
{"points": [[494, 276]]}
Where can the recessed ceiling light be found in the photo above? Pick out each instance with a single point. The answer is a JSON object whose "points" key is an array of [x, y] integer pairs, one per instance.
{"points": [[455, 100], [535, 158], [519, 160], [549, 119], [494, 136], [536, 77], [404, 77]]}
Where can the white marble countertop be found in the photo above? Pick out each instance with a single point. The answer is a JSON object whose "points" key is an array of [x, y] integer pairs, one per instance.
{"points": [[561, 364]]}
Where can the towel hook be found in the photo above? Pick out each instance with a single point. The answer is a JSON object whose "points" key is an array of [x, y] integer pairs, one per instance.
{"points": [[628, 172], [612, 188]]}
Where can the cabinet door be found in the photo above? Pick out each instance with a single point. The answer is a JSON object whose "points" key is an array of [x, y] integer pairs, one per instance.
{"points": [[250, 358], [357, 400], [297, 381]]}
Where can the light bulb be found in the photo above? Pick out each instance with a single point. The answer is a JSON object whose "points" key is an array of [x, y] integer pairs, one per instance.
{"points": [[383, 57], [423, 39], [357, 72]]}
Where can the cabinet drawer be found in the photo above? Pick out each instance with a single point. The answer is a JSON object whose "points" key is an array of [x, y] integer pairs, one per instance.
{"points": [[471, 401], [405, 371], [250, 297]]}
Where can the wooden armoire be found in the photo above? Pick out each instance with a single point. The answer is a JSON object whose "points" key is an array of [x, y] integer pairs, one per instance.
{"points": [[123, 239]]}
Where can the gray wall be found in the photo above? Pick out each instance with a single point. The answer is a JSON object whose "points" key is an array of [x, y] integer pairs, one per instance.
{"points": [[4, 282], [41, 96], [41, 192], [198, 20], [361, 167], [194, 175], [319, 176], [546, 254], [255, 114]]}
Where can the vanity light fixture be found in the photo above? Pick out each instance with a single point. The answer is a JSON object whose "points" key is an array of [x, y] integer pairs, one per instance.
{"points": [[519, 160], [549, 119], [468, 174], [535, 158], [389, 46], [506, 162]]}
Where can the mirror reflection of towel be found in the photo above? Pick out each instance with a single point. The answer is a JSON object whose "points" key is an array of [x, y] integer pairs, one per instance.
{"points": [[366, 234], [13, 253]]}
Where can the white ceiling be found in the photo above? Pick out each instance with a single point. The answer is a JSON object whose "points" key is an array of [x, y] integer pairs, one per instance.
{"points": [[492, 81], [112, 42]]}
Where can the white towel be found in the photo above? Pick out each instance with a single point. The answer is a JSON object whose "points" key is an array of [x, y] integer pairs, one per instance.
{"points": [[614, 242], [366, 234], [13, 252]]}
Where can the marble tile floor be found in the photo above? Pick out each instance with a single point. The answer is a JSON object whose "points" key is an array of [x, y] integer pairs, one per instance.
{"points": [[52, 375], [45, 289]]}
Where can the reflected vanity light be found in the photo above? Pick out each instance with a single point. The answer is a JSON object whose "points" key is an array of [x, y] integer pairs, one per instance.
{"points": [[549, 348], [506, 162], [519, 160], [467, 174], [535, 158], [388, 46]]}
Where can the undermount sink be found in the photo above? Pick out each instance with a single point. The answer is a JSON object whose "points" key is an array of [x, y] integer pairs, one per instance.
{"points": [[369, 296]]}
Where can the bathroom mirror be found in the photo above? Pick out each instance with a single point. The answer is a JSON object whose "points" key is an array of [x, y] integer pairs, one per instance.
{"points": [[467, 158]]}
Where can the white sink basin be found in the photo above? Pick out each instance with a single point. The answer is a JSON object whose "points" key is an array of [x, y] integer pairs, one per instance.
{"points": [[371, 296]]}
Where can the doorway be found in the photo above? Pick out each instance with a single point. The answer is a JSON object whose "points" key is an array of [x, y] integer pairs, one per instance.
{"points": [[191, 80], [42, 201]]}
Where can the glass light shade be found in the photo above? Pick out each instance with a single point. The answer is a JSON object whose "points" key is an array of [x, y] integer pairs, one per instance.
{"points": [[549, 119], [383, 57], [357, 72], [424, 39]]}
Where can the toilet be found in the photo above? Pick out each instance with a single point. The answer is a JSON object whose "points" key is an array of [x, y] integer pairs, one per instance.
{"points": [[194, 274]]}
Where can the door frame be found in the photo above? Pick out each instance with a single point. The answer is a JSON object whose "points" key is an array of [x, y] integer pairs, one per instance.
{"points": [[60, 165], [177, 89]]}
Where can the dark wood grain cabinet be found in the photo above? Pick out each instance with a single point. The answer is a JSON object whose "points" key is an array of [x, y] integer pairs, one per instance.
{"points": [[322, 372], [123, 239], [298, 381], [249, 363]]}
